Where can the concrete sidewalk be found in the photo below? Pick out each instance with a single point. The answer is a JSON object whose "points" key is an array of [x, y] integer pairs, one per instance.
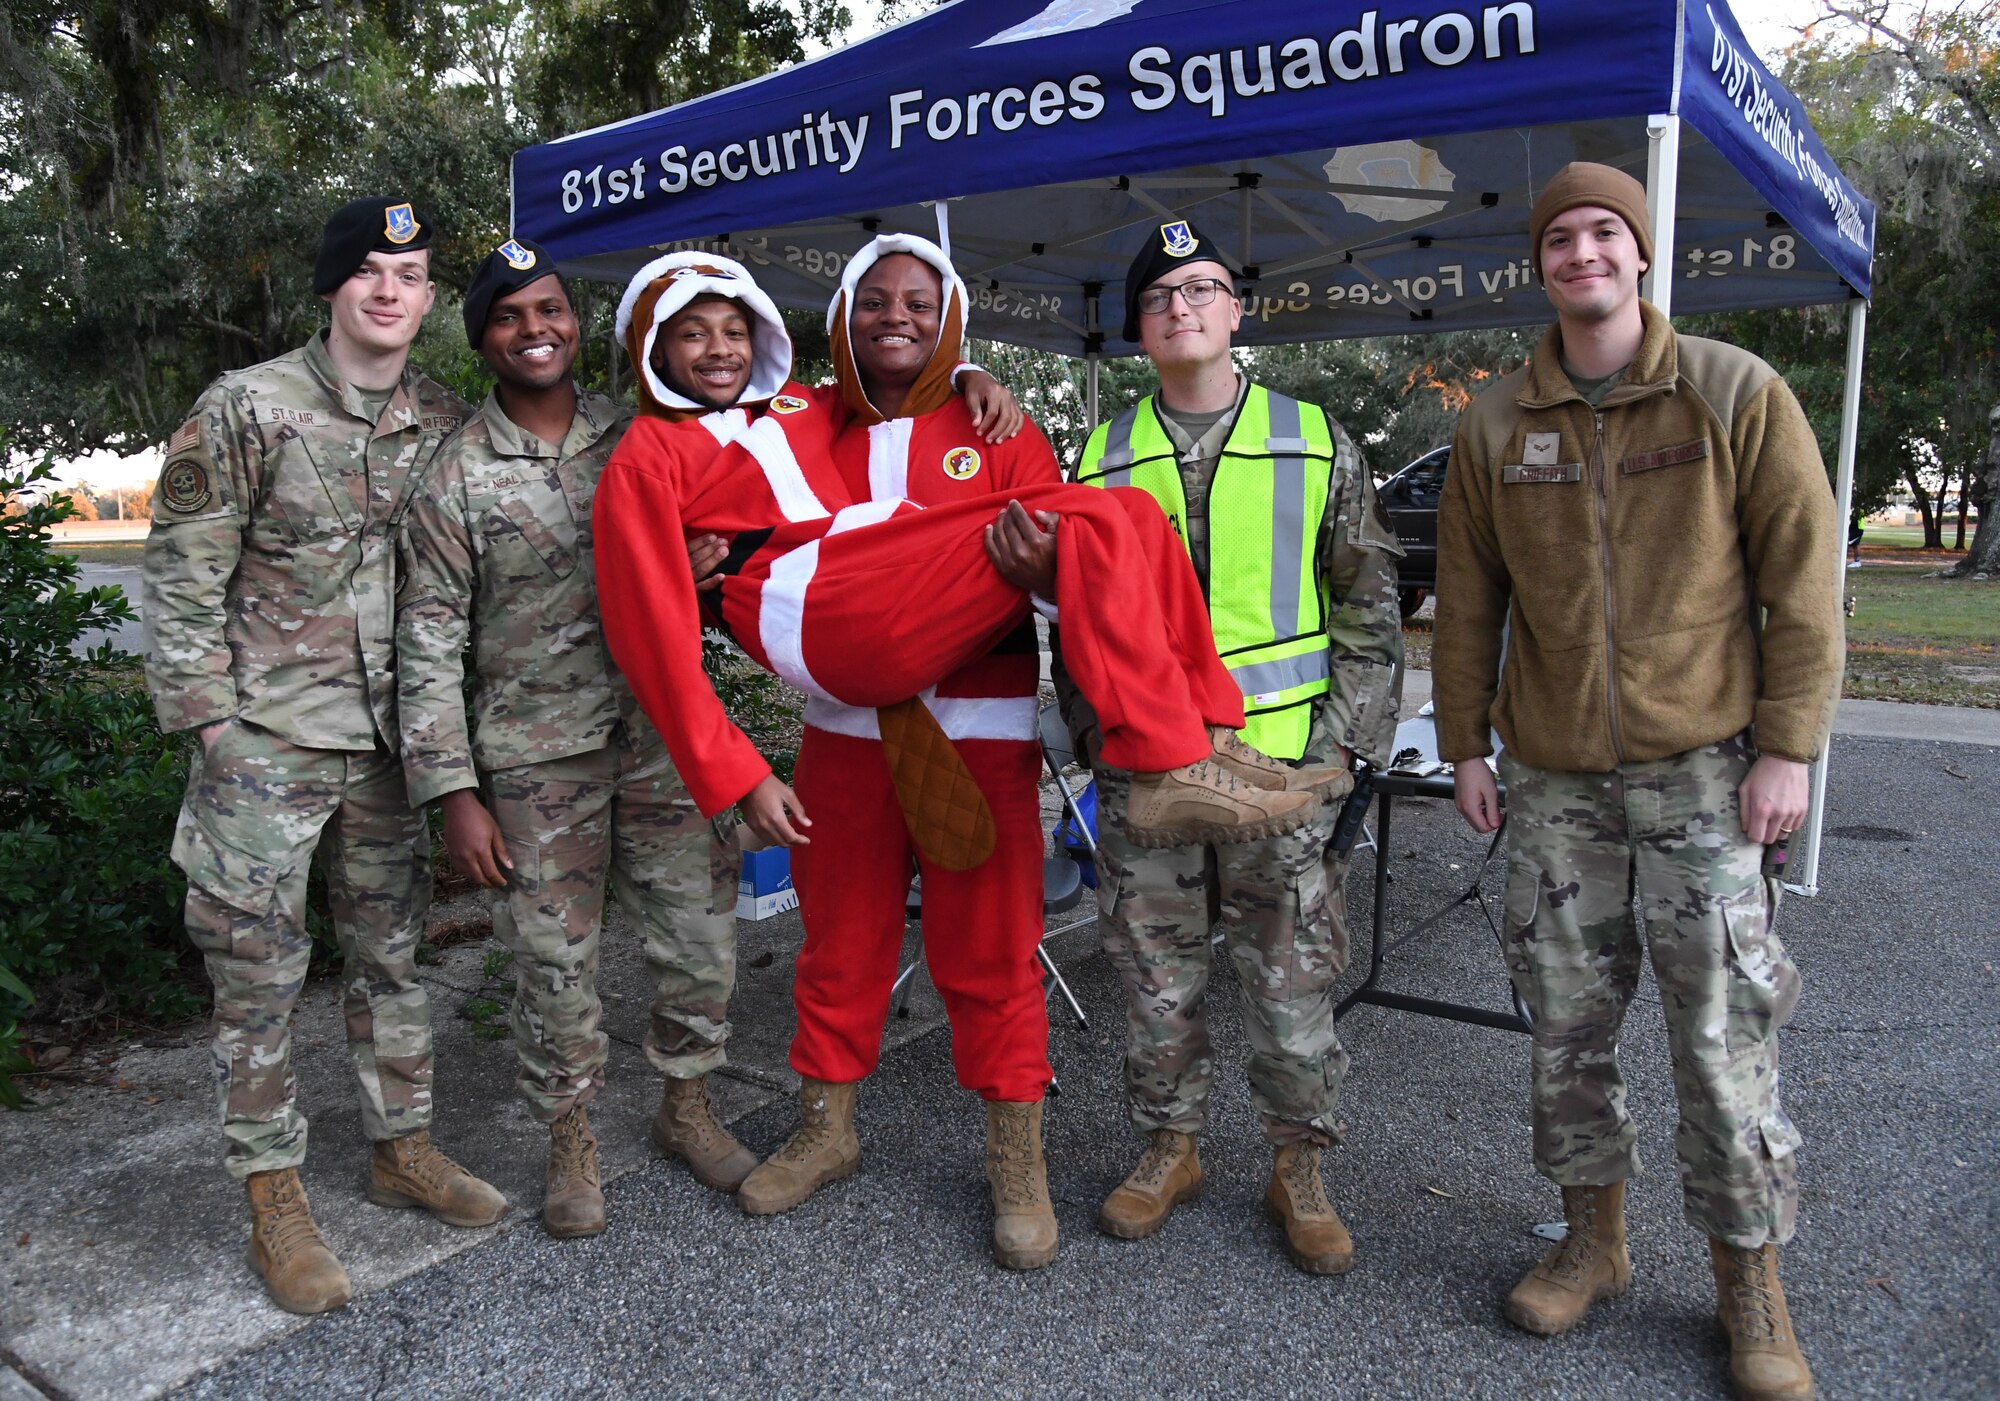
{"points": [[1950, 724], [122, 1240]]}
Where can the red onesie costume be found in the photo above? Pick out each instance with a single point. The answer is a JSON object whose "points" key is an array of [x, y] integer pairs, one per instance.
{"points": [[867, 604], [981, 925]]}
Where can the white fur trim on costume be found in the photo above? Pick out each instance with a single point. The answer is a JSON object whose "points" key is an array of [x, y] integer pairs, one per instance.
{"points": [[770, 343], [766, 441], [880, 247]]}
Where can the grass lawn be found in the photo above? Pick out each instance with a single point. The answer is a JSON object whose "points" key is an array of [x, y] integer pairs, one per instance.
{"points": [[1931, 641], [107, 551]]}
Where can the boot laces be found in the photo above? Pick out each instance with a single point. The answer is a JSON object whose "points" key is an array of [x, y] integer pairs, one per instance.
{"points": [[697, 1116], [1012, 1157], [287, 1223], [814, 1132], [1756, 1302], [1303, 1180], [432, 1170], [1162, 1155], [1572, 1261], [573, 1149]]}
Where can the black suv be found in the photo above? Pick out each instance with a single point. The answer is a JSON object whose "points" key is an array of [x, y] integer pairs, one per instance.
{"points": [[1411, 499]]}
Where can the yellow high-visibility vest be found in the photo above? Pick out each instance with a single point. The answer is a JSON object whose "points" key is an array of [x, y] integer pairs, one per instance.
{"points": [[1266, 599]]}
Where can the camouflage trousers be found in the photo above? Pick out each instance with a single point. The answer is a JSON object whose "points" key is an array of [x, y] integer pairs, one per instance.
{"points": [[568, 824], [1583, 849], [256, 807], [1283, 914]]}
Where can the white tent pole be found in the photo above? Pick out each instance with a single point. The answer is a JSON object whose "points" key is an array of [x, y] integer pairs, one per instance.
{"points": [[1663, 178], [1806, 881], [1091, 312], [944, 227]]}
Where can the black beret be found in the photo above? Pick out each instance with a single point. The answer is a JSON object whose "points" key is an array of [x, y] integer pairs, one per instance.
{"points": [[508, 268], [1166, 247], [378, 224]]}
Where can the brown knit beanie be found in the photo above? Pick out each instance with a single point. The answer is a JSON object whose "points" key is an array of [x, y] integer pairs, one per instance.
{"points": [[1583, 183]]}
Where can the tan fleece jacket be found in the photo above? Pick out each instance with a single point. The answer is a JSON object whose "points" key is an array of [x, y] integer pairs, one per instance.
{"points": [[1629, 550]]}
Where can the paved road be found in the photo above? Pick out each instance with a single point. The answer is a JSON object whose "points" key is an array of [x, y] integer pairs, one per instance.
{"points": [[129, 636], [882, 1285]]}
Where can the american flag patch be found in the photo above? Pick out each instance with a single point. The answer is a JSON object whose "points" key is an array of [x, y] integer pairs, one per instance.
{"points": [[188, 435]]}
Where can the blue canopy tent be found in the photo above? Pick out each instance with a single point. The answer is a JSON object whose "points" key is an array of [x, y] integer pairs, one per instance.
{"points": [[1365, 171]]}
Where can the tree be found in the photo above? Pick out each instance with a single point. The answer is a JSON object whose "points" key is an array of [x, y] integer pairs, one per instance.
{"points": [[1914, 109], [165, 166]]}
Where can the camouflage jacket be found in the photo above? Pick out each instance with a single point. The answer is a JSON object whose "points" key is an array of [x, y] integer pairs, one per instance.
{"points": [[1358, 554], [497, 552], [270, 569]]}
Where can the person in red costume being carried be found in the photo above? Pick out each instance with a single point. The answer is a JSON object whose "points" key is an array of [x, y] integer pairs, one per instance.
{"points": [[888, 614]]}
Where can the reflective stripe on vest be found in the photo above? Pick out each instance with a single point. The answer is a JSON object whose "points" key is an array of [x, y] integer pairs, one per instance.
{"points": [[1265, 505]]}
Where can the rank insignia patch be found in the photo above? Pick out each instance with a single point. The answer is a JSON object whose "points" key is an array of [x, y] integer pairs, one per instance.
{"points": [[1178, 238], [399, 223], [184, 486], [518, 258], [788, 403], [961, 463]]}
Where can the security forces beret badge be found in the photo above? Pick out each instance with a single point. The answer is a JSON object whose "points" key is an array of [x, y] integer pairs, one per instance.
{"points": [[1178, 239], [518, 258], [184, 486], [399, 223], [961, 463]]}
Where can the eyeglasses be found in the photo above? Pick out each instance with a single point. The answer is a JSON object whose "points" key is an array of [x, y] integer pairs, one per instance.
{"points": [[1197, 291]]}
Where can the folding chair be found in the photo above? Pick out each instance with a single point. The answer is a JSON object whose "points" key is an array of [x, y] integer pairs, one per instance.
{"points": [[1062, 877]]}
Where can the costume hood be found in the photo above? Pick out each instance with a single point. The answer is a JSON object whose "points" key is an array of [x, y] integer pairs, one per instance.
{"points": [[933, 387], [659, 291]]}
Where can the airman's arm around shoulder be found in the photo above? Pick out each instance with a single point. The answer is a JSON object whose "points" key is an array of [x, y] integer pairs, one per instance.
{"points": [[1365, 629], [1473, 590], [1792, 540], [437, 582], [201, 507], [652, 619]]}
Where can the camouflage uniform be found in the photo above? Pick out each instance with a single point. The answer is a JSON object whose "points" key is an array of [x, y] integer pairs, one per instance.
{"points": [[497, 552], [269, 599], [1282, 908], [1582, 846]]}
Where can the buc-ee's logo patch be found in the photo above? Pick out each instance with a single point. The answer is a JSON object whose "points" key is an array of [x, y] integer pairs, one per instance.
{"points": [[961, 463], [399, 223], [184, 486], [788, 403], [1178, 239]]}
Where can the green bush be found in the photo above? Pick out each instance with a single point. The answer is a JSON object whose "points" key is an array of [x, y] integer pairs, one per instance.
{"points": [[89, 903]]}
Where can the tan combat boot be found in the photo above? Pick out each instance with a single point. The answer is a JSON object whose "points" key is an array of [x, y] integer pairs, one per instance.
{"points": [[1169, 1173], [686, 1128], [1024, 1220], [1331, 781], [822, 1149], [1765, 1363], [408, 1171], [1586, 1265], [1204, 802], [287, 1249], [573, 1204], [1315, 1236]]}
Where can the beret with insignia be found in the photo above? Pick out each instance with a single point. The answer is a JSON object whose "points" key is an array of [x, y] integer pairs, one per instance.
{"points": [[378, 224], [504, 271], [1167, 246]]}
